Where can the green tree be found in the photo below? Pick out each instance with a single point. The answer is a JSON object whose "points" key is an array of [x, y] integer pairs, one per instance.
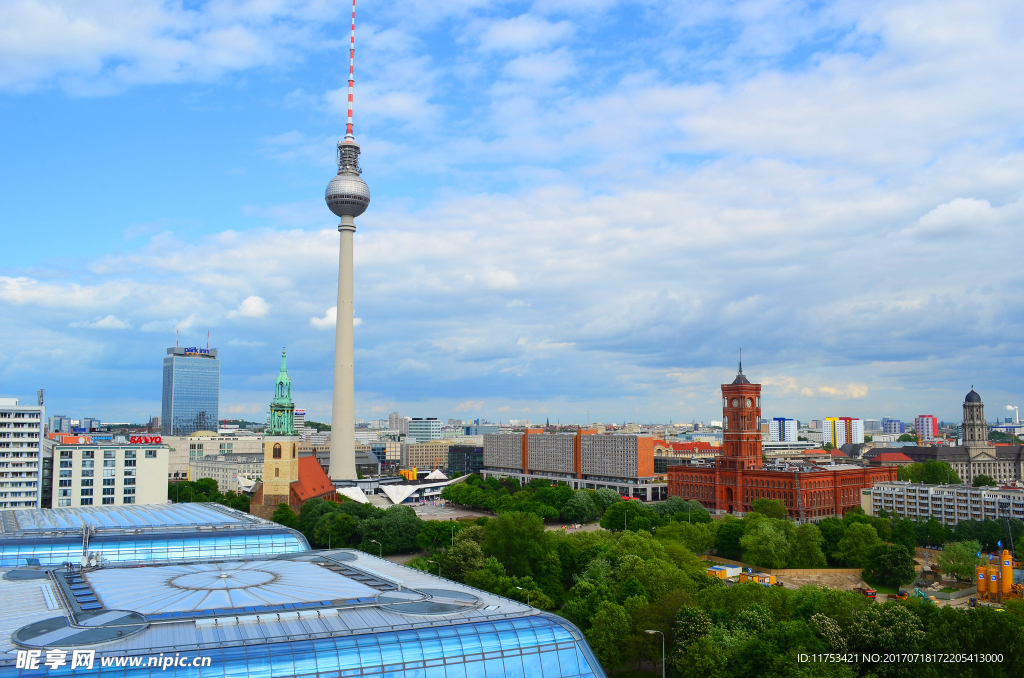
{"points": [[856, 546], [284, 515], [395, 530], [806, 547], [907, 438], [438, 534], [984, 481], [765, 544], [334, 530], [959, 558], [904, 532], [311, 512], [773, 508], [605, 497], [832, 532], [629, 515], [886, 629], [892, 565], [465, 557], [517, 540], [930, 472], [580, 508], [608, 634], [699, 537], [727, 543]]}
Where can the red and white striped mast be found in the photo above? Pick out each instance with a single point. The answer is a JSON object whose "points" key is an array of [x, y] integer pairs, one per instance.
{"points": [[349, 135]]}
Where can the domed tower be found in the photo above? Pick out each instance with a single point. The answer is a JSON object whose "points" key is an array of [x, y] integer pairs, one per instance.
{"points": [[975, 428], [347, 196]]}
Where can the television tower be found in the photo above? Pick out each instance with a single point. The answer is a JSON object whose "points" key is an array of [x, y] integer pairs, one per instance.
{"points": [[348, 197]]}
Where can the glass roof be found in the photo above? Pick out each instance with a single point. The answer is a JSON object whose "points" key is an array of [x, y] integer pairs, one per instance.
{"points": [[123, 517], [202, 586]]}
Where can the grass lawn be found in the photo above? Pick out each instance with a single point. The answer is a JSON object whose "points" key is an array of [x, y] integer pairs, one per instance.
{"points": [[883, 590]]}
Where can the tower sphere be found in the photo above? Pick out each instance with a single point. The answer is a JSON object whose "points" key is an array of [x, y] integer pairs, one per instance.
{"points": [[972, 397], [347, 194]]}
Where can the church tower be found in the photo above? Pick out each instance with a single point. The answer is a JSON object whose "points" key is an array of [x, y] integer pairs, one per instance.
{"points": [[280, 444], [975, 428]]}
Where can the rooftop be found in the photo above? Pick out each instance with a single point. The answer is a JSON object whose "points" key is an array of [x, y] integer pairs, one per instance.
{"points": [[201, 605], [133, 516]]}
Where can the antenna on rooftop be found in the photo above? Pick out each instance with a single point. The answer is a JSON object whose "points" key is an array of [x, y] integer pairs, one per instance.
{"points": [[176, 332]]}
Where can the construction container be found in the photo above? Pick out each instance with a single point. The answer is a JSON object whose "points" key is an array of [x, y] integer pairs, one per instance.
{"points": [[1005, 571], [724, 571]]}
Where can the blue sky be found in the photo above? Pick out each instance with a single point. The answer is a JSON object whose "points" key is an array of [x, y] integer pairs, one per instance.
{"points": [[577, 206]]}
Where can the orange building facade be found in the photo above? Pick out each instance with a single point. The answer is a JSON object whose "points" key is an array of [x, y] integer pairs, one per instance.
{"points": [[739, 476]]}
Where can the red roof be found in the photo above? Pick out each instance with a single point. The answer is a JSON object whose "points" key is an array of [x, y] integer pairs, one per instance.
{"points": [[312, 482], [893, 456], [838, 453], [692, 447]]}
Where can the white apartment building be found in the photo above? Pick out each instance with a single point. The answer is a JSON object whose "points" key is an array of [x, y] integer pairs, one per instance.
{"points": [[233, 472], [926, 426], [947, 503], [21, 444], [781, 429], [842, 430], [111, 474]]}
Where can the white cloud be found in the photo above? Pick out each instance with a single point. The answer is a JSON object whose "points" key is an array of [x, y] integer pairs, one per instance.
{"points": [[328, 322], [110, 322], [251, 307], [524, 32]]}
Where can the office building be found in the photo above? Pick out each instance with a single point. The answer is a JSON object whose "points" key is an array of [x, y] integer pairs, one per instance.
{"points": [[927, 427], [59, 423], [323, 613], [427, 455], [109, 474], [839, 431], [947, 503], [191, 391], [134, 533], [584, 459], [782, 430], [872, 426], [300, 419], [182, 450], [465, 460], [892, 426], [424, 429], [233, 472], [21, 454], [811, 492]]}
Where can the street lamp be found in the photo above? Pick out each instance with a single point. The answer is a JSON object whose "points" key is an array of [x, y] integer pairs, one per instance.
{"points": [[662, 650], [527, 595], [381, 552], [438, 566]]}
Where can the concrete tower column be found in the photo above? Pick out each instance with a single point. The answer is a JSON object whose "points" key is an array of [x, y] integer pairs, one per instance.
{"points": [[343, 414]]}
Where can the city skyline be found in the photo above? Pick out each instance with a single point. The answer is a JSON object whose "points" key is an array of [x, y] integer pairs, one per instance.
{"points": [[598, 234]]}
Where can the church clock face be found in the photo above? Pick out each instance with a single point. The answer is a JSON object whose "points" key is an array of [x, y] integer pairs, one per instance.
{"points": [[735, 403], [749, 402]]}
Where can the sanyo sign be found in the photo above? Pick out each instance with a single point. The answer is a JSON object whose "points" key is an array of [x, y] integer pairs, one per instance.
{"points": [[145, 440]]}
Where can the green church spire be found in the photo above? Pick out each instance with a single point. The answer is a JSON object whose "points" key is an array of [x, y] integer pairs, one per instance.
{"points": [[282, 409]]}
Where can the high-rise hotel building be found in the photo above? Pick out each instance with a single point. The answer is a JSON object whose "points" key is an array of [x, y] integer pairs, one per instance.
{"points": [[21, 467], [191, 394]]}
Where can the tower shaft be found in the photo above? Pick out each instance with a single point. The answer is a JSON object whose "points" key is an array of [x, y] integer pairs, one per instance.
{"points": [[343, 414]]}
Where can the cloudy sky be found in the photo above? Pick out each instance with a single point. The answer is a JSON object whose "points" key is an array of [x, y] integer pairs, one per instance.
{"points": [[578, 206]]}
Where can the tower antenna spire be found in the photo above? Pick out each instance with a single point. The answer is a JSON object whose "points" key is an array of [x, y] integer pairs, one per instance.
{"points": [[741, 360], [349, 134]]}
